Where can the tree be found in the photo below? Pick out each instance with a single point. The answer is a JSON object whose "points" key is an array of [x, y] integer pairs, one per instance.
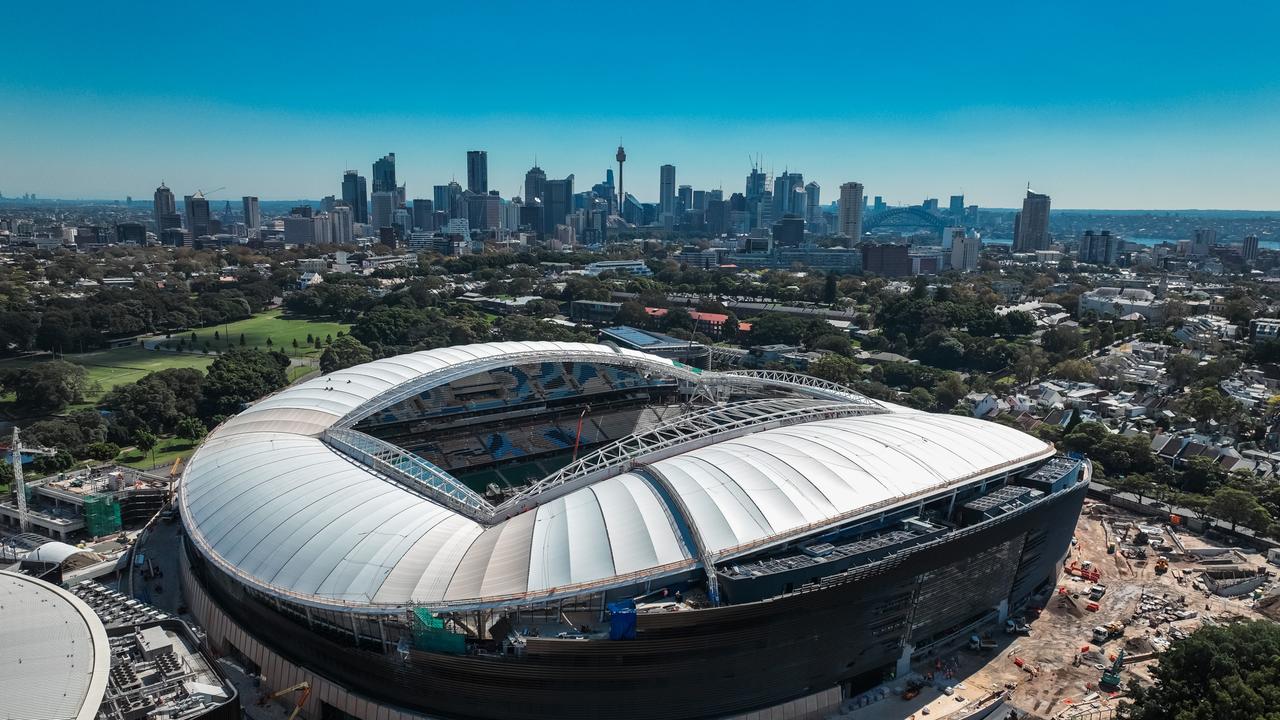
{"points": [[146, 442], [240, 376], [190, 428], [242, 342], [47, 387], [1221, 671], [1076, 370], [345, 352], [837, 369], [1136, 484], [1180, 368], [1235, 506]]}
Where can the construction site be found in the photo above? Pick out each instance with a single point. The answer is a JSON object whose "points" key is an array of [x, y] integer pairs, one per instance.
{"points": [[1130, 587]]}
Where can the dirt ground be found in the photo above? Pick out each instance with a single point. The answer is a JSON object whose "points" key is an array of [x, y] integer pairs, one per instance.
{"points": [[1054, 672]]}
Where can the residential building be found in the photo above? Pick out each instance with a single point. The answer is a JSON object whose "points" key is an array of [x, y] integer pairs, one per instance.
{"points": [[667, 194], [851, 206], [887, 259], [1099, 248], [965, 249], [1031, 231], [252, 213]]}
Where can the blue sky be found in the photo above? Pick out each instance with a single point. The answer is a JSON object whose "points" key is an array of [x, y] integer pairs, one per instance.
{"points": [[1102, 105]]}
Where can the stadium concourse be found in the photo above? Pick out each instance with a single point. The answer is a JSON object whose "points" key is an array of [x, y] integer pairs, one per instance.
{"points": [[585, 527]]}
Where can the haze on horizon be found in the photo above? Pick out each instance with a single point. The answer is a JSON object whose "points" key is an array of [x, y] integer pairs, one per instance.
{"points": [[1125, 109]]}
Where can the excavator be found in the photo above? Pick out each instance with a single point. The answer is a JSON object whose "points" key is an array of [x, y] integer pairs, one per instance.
{"points": [[1111, 676], [304, 686]]}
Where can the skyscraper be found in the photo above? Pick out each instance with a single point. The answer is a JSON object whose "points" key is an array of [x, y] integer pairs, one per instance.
{"points": [[535, 185], [355, 194], [813, 203], [956, 207], [667, 192], [1204, 241], [556, 204], [621, 157], [384, 174], [851, 212], [341, 221], [1032, 231], [1249, 249], [478, 171], [384, 204], [784, 194], [252, 213], [164, 207], [424, 212], [197, 210]]}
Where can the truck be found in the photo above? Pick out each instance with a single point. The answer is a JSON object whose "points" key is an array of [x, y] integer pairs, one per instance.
{"points": [[1097, 591], [1015, 626], [1110, 631], [981, 644]]}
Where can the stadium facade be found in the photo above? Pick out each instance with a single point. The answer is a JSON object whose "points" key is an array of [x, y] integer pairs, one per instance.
{"points": [[531, 530]]}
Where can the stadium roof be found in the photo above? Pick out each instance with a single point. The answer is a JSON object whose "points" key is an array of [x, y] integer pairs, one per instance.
{"points": [[268, 500], [55, 656]]}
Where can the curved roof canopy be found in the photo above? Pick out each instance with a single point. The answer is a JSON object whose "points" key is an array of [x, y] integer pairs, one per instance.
{"points": [[55, 656], [268, 500]]}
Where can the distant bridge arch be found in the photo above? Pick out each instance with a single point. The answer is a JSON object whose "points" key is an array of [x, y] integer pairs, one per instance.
{"points": [[913, 216]]}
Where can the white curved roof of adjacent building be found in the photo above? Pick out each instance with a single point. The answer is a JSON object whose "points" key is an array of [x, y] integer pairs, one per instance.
{"points": [[267, 500], [55, 552], [54, 653]]}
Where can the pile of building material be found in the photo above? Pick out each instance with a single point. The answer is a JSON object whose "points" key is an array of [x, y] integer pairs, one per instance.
{"points": [[1155, 610]]}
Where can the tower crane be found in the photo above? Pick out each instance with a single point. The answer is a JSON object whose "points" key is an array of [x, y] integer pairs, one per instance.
{"points": [[206, 195], [19, 485]]}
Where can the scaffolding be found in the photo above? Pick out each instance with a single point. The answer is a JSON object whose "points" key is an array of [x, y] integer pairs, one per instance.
{"points": [[101, 514], [429, 634]]}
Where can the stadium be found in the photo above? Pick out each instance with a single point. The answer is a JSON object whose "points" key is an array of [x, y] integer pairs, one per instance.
{"points": [[535, 529]]}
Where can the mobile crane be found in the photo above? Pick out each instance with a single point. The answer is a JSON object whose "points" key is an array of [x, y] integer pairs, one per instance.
{"points": [[304, 686]]}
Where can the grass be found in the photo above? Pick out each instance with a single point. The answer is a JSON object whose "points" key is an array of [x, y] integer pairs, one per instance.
{"points": [[282, 331], [166, 451], [120, 366]]}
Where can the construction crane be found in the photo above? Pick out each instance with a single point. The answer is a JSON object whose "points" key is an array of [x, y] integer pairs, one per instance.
{"points": [[173, 478], [304, 686], [206, 195], [19, 485]]}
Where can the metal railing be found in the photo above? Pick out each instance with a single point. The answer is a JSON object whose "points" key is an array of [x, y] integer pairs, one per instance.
{"points": [[410, 471]]}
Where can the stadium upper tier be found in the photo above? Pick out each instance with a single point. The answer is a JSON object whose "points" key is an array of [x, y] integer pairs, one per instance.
{"points": [[291, 499]]}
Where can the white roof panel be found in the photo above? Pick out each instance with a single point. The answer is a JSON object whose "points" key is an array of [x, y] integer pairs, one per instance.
{"points": [[267, 498]]}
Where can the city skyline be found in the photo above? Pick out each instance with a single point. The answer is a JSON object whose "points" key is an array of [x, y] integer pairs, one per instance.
{"points": [[936, 110]]}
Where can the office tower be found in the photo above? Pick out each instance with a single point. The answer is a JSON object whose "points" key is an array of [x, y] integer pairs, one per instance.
{"points": [[813, 203], [355, 194], [965, 248], [478, 171], [851, 212], [684, 198], [402, 221], [956, 207], [384, 204], [1032, 232], [455, 202], [163, 206], [131, 233], [197, 209], [930, 205], [484, 212], [556, 204], [879, 204], [788, 231], [535, 185], [424, 214], [1249, 248], [384, 174], [621, 157], [303, 211], [299, 230], [252, 213], [341, 221], [327, 202], [784, 194], [667, 192], [1099, 248], [402, 196], [1203, 243], [887, 259]]}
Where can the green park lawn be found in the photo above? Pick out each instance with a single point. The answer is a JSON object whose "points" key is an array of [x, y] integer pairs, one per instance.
{"points": [[282, 331], [163, 454], [120, 366]]}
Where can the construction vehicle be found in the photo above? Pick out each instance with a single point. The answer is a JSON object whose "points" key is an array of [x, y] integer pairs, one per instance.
{"points": [[1110, 631], [912, 690], [1111, 676], [981, 644], [1162, 565], [1015, 626], [303, 686], [1097, 591], [1084, 572]]}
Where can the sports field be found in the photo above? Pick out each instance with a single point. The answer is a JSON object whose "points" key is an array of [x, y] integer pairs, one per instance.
{"points": [[258, 329]]}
